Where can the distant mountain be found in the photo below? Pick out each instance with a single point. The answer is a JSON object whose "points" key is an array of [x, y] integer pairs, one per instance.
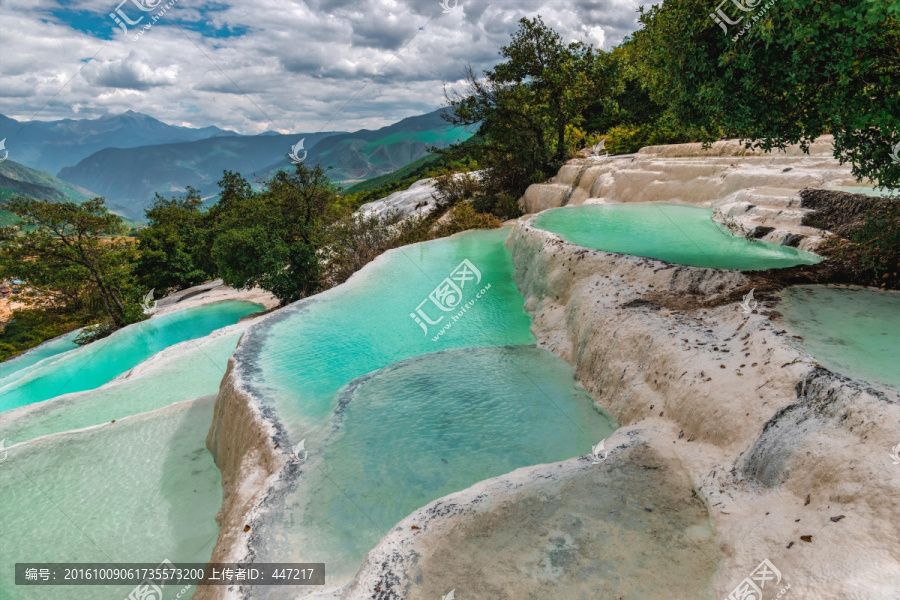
{"points": [[368, 153], [52, 145], [128, 178], [19, 180]]}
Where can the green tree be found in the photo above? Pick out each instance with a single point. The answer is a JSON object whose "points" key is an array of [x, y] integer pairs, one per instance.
{"points": [[171, 246], [804, 68], [270, 238], [526, 105], [76, 253], [628, 116], [560, 80]]}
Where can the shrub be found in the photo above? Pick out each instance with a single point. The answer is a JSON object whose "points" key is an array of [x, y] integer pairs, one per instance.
{"points": [[627, 139], [463, 217], [454, 188], [352, 242], [29, 327]]}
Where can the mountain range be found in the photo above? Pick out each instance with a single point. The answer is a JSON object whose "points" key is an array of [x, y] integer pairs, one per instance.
{"points": [[18, 180], [130, 177], [368, 153], [51, 145], [128, 158]]}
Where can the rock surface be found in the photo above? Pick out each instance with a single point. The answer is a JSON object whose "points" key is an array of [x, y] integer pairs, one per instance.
{"points": [[580, 529], [417, 200], [756, 194], [741, 447], [213, 291], [774, 444]]}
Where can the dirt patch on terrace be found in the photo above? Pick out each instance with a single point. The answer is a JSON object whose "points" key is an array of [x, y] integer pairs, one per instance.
{"points": [[865, 247]]}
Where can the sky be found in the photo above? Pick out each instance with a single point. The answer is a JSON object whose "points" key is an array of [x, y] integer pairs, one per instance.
{"points": [[266, 65]]}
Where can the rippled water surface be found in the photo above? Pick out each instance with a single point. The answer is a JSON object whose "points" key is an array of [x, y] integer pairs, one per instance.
{"points": [[303, 355], [192, 370], [139, 490], [424, 428], [852, 331], [395, 415]]}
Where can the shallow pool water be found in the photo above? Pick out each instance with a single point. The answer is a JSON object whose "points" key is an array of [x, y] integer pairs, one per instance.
{"points": [[675, 233], [97, 363], [19, 366], [301, 356], [189, 370], [140, 490], [419, 430], [396, 413], [852, 331]]}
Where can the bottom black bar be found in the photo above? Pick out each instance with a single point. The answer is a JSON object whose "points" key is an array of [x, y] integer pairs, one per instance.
{"points": [[166, 573]]}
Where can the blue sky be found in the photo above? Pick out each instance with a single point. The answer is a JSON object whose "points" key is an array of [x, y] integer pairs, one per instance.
{"points": [[264, 65], [100, 25]]}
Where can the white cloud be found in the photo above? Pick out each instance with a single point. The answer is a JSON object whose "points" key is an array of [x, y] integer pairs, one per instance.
{"points": [[285, 66], [596, 36], [129, 73]]}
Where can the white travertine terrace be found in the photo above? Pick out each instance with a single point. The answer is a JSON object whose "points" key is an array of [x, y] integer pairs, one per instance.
{"points": [[750, 443], [417, 200], [753, 192], [212, 291], [773, 446]]}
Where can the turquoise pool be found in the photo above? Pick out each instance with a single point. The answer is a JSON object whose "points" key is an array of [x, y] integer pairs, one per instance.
{"points": [[852, 331], [190, 371], [419, 430], [395, 413], [16, 365], [139, 490], [675, 233], [304, 354], [97, 363]]}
